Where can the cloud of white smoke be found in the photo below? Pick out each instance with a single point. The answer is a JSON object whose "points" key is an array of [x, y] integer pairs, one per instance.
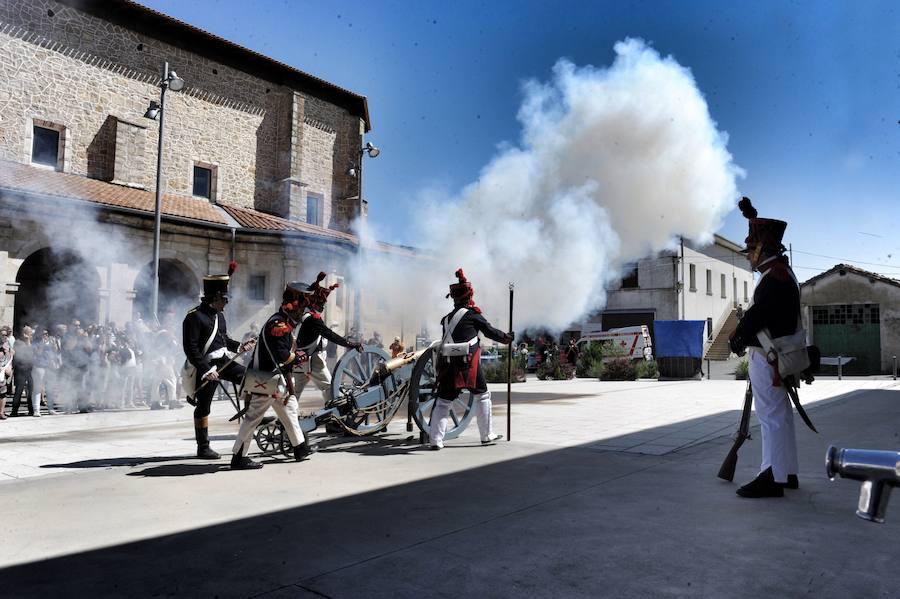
{"points": [[613, 165]]}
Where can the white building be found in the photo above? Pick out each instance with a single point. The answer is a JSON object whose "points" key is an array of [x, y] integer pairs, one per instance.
{"points": [[692, 283]]}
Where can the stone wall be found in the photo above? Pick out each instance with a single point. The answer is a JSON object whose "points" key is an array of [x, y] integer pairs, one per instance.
{"points": [[78, 72]]}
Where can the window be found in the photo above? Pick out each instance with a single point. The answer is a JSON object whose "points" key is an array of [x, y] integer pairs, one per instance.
{"points": [[723, 285], [203, 178], [693, 269], [708, 282], [314, 209], [257, 290], [339, 293], [734, 289], [45, 146], [709, 330], [630, 281], [745, 292]]}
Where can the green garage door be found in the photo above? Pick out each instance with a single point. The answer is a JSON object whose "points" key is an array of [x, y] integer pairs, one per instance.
{"points": [[849, 330]]}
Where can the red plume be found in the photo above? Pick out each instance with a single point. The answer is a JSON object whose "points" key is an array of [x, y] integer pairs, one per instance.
{"points": [[321, 277], [461, 275], [232, 266]]}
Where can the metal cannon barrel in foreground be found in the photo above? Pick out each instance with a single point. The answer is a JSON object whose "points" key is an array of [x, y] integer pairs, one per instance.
{"points": [[878, 470]]}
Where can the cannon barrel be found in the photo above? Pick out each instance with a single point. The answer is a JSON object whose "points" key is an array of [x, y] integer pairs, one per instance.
{"points": [[387, 367], [878, 470]]}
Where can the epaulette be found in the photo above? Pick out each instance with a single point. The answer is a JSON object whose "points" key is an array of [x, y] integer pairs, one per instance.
{"points": [[191, 311], [315, 314], [280, 329]]}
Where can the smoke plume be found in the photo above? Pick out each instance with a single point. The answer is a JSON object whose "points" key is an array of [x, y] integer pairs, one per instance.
{"points": [[613, 165]]}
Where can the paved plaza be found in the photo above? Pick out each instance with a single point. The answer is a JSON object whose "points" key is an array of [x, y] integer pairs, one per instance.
{"points": [[606, 489]]}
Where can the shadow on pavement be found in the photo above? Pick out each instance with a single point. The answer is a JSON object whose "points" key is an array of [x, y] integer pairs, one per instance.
{"points": [[552, 524], [109, 462], [181, 469]]}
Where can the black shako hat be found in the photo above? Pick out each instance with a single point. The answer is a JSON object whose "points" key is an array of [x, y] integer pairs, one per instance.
{"points": [[215, 286], [767, 232]]}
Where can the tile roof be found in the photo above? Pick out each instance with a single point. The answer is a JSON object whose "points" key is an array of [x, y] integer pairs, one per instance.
{"points": [[254, 219], [34, 179], [858, 271], [28, 178]]}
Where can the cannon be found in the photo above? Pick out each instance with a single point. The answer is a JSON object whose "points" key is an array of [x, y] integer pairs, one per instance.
{"points": [[368, 388], [878, 470]]}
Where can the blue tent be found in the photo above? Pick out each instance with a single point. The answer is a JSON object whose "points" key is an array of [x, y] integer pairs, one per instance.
{"points": [[678, 346]]}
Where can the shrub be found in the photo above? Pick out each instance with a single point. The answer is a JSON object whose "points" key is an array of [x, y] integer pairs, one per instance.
{"points": [[552, 369], [741, 370], [618, 369], [646, 370], [495, 372]]}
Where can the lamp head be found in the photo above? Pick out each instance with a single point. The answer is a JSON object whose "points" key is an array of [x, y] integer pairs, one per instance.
{"points": [[372, 150], [152, 110], [176, 83]]}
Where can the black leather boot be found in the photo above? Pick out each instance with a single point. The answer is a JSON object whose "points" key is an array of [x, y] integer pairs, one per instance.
{"points": [[305, 449], [792, 482], [763, 485], [204, 451], [242, 462]]}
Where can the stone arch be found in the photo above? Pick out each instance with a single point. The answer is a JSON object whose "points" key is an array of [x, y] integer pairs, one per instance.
{"points": [[179, 289], [56, 286]]}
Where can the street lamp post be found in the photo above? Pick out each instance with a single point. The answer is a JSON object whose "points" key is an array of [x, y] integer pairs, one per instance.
{"points": [[373, 152], [170, 80]]}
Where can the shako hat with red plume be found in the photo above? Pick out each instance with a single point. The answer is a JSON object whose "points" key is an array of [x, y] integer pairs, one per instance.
{"points": [[462, 291], [765, 232], [321, 292], [216, 286]]}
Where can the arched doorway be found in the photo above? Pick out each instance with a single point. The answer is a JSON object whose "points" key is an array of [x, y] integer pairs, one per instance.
{"points": [[178, 291], [56, 287]]}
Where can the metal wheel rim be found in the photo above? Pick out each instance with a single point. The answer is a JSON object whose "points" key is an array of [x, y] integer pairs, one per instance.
{"points": [[354, 369], [420, 386]]}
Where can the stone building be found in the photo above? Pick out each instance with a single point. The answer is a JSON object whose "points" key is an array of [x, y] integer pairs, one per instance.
{"points": [[853, 313], [261, 164], [692, 283]]}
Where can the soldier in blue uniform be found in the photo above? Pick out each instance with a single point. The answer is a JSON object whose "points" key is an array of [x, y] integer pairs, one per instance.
{"points": [[207, 347], [277, 353], [775, 307], [456, 373]]}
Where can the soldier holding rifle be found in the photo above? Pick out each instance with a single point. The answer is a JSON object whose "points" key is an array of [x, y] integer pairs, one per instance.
{"points": [[207, 346], [776, 308], [275, 355]]}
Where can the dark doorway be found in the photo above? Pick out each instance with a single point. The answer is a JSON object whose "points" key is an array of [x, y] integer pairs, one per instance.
{"points": [[56, 287], [178, 291]]}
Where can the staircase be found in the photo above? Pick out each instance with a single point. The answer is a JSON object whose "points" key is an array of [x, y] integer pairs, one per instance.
{"points": [[718, 349]]}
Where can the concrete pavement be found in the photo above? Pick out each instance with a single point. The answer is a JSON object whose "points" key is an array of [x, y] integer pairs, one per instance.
{"points": [[608, 489]]}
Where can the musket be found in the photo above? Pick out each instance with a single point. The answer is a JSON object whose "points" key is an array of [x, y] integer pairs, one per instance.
{"points": [[726, 471], [241, 351]]}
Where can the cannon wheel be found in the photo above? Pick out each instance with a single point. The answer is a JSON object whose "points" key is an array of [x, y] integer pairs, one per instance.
{"points": [[421, 397], [353, 370], [272, 438]]}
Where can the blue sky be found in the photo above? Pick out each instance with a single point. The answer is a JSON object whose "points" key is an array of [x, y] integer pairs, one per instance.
{"points": [[809, 93]]}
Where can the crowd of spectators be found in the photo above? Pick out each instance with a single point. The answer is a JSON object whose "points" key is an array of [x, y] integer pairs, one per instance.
{"points": [[72, 367]]}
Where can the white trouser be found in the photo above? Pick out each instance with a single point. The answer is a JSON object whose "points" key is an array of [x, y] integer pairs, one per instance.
{"points": [[776, 419], [318, 373], [166, 377], [440, 414], [483, 416], [38, 374], [287, 414]]}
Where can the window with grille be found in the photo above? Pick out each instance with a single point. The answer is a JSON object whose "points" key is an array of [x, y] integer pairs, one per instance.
{"points": [[847, 314], [693, 277]]}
